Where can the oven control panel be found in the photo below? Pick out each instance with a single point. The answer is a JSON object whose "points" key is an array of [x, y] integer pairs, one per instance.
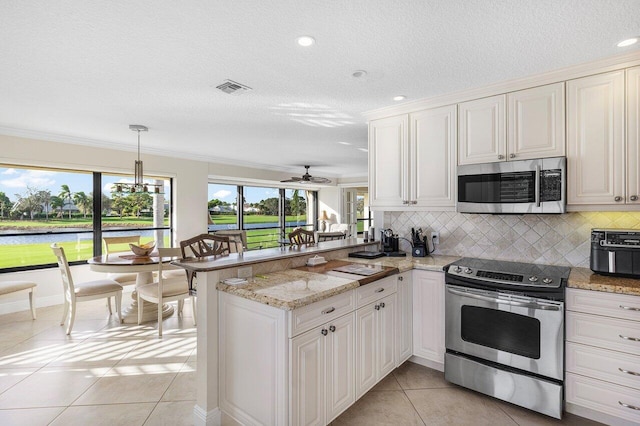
{"points": [[507, 273]]}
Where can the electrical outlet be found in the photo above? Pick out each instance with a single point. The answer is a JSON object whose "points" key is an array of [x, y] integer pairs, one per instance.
{"points": [[245, 272], [435, 237]]}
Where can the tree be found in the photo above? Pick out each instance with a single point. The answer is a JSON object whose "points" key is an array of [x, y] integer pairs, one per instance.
{"points": [[82, 201], [106, 203], [5, 204], [28, 202], [66, 194], [57, 203], [44, 198], [270, 206]]}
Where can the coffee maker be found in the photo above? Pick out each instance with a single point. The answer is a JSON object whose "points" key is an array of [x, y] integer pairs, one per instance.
{"points": [[390, 242]]}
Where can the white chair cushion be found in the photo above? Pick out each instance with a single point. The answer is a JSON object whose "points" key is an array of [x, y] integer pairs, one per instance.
{"points": [[124, 278], [170, 287], [7, 287], [174, 274], [91, 288]]}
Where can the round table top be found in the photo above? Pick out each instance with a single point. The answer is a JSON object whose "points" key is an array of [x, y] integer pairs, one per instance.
{"points": [[126, 262]]}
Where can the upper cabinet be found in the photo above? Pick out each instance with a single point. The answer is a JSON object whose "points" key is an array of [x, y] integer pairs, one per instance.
{"points": [[633, 135], [412, 160], [596, 153], [518, 126]]}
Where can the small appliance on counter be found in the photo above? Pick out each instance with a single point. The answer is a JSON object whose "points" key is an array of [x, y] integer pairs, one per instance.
{"points": [[615, 252], [390, 242], [419, 245]]}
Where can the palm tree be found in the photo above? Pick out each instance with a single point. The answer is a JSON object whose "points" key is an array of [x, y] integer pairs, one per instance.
{"points": [[44, 197], [57, 203], [81, 200], [66, 194], [5, 204]]}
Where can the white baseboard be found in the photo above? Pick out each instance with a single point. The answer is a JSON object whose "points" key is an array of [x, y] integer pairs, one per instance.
{"points": [[597, 416], [427, 363], [203, 418], [23, 305]]}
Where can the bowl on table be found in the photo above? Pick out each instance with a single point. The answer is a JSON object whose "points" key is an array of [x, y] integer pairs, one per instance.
{"points": [[144, 249]]}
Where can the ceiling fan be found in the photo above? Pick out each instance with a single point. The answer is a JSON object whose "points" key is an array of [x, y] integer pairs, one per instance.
{"points": [[307, 178]]}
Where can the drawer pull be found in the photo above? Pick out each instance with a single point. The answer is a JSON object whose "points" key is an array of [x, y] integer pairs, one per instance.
{"points": [[629, 308], [382, 305], [332, 328], [377, 307], [629, 406], [324, 332], [635, 339], [328, 311], [633, 373], [380, 290]]}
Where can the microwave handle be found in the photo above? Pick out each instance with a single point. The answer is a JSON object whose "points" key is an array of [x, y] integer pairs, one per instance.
{"points": [[537, 184]]}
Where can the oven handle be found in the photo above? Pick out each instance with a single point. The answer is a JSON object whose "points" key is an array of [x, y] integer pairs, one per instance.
{"points": [[532, 305]]}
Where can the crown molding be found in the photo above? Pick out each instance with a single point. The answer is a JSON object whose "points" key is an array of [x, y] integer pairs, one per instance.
{"points": [[599, 66]]}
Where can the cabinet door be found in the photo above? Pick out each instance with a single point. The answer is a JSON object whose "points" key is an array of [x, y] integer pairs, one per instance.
{"points": [[482, 130], [432, 150], [536, 123], [595, 139], [386, 332], [340, 355], [366, 352], [388, 159], [428, 316], [404, 330], [308, 378], [633, 135]]}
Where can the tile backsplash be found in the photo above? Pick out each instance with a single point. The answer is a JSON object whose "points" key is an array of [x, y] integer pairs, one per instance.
{"points": [[552, 239]]}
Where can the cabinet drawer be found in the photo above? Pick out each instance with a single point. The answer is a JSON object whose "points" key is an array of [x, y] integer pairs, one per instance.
{"points": [[604, 332], [602, 396], [376, 290], [615, 367], [601, 303], [310, 316]]}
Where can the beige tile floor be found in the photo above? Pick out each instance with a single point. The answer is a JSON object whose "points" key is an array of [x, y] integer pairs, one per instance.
{"points": [[107, 373]]}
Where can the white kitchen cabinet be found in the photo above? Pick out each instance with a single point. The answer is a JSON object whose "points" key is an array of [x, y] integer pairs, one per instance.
{"points": [[633, 136], [428, 318], [375, 342], [404, 321], [596, 169], [388, 161], [322, 372], [412, 160], [602, 357], [520, 125], [482, 130]]}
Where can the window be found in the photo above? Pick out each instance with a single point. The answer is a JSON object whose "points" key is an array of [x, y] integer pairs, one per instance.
{"points": [[40, 206], [267, 214], [365, 221]]}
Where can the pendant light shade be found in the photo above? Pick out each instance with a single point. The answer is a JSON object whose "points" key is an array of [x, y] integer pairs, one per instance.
{"points": [[138, 184]]}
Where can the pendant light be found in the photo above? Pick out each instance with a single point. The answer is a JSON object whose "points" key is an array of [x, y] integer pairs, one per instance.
{"points": [[138, 184]]}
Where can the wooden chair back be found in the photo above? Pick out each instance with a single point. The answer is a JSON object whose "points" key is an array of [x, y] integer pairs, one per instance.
{"points": [[237, 239], [204, 245], [119, 244], [330, 236], [301, 236]]}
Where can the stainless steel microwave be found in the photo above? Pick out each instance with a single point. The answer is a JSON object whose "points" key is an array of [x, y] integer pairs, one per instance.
{"points": [[518, 187]]}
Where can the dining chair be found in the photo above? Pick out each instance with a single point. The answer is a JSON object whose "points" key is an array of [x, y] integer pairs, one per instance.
{"points": [[165, 289], [84, 291], [203, 245], [330, 236], [121, 245], [301, 236], [16, 286], [237, 239]]}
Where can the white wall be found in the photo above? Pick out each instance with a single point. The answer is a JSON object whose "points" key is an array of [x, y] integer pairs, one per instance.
{"points": [[329, 199]]}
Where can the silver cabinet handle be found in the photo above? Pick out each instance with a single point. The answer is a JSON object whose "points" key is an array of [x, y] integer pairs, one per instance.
{"points": [[537, 186], [405, 201], [500, 157], [382, 305], [328, 311], [377, 307], [617, 199], [332, 328], [633, 373], [629, 308], [512, 156], [634, 198], [414, 202], [380, 290], [532, 305], [324, 332], [635, 339], [633, 407]]}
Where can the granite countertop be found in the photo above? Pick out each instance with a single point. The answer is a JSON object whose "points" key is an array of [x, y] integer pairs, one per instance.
{"points": [[586, 279], [429, 263]]}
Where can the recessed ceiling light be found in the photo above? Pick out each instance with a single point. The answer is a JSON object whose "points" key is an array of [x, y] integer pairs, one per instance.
{"points": [[363, 149], [399, 98], [628, 42], [344, 143], [359, 73], [305, 41]]}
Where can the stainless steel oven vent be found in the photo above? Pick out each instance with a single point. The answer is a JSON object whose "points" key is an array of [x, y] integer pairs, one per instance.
{"points": [[233, 88]]}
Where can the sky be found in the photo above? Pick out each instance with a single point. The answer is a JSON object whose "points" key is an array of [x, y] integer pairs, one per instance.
{"points": [[252, 194], [16, 180]]}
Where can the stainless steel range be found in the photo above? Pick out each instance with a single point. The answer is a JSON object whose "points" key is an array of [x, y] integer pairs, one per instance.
{"points": [[504, 331]]}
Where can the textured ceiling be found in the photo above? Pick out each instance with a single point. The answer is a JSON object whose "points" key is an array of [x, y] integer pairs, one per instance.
{"points": [[84, 71]]}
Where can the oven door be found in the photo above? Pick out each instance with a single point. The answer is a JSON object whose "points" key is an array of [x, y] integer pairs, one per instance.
{"points": [[520, 332]]}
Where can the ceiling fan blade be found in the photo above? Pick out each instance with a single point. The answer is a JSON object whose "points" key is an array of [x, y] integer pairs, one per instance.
{"points": [[307, 178], [319, 180]]}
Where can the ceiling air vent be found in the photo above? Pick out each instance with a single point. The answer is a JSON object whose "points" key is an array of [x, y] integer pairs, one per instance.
{"points": [[233, 88]]}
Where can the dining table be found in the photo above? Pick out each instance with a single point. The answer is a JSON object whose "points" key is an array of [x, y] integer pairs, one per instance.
{"points": [[143, 266]]}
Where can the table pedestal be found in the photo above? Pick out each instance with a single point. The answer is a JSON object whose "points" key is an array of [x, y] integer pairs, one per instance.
{"points": [[149, 313]]}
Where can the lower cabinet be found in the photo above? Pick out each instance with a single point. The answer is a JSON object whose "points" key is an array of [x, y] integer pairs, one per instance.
{"points": [[404, 336], [375, 347], [428, 318], [322, 372]]}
